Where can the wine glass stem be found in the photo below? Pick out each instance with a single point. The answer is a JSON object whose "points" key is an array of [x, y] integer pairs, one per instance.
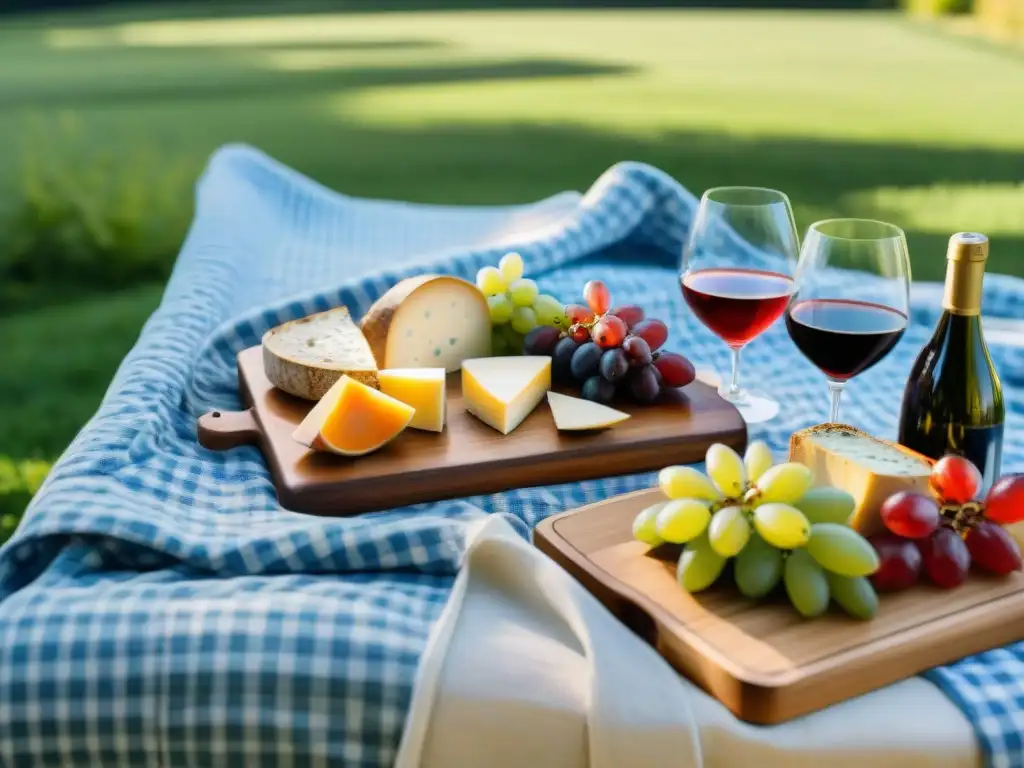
{"points": [[734, 385], [835, 388]]}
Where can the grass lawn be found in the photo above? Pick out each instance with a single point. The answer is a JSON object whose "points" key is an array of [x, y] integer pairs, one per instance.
{"points": [[866, 115]]}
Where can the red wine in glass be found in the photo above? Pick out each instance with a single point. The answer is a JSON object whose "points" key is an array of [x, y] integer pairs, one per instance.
{"points": [[843, 337], [736, 304]]}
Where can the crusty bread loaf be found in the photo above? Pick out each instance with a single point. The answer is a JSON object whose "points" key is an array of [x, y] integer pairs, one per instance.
{"points": [[305, 357]]}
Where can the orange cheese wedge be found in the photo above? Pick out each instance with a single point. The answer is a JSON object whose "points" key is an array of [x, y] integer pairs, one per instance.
{"points": [[353, 419]]}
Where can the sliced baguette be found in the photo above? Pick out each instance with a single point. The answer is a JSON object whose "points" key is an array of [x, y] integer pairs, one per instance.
{"points": [[305, 357]]}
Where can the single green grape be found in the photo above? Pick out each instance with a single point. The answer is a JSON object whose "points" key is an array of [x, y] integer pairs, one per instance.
{"points": [[499, 343], [726, 470], [758, 568], [490, 281], [523, 320], [523, 292], [683, 520], [729, 531], [678, 482], [806, 584], [784, 483], [699, 565], [842, 550], [549, 311], [513, 339], [855, 595], [511, 267], [501, 308], [645, 527], [757, 460], [827, 505], [782, 526]]}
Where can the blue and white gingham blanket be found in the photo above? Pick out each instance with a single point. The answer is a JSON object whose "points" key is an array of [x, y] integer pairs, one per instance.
{"points": [[160, 608]]}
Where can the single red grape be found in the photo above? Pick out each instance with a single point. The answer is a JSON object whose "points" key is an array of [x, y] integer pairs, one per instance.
{"points": [[610, 331], [993, 549], [1005, 502], [614, 364], [911, 515], [597, 295], [631, 313], [675, 370], [945, 558], [541, 340], [579, 334], [654, 332], [637, 351], [643, 383], [578, 314], [899, 563], [955, 479]]}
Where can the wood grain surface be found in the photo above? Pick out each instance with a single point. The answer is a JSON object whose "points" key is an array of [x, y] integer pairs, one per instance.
{"points": [[762, 660], [468, 457]]}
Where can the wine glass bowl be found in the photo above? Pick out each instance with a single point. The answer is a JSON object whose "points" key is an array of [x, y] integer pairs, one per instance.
{"points": [[736, 274], [852, 296]]}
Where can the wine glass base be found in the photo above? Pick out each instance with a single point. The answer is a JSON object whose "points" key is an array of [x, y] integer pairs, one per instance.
{"points": [[754, 407]]}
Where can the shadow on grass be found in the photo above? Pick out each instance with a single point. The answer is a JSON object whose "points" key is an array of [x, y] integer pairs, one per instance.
{"points": [[132, 91]]}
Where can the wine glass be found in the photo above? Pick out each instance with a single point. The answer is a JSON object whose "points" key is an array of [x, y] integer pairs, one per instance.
{"points": [[852, 297], [736, 275]]}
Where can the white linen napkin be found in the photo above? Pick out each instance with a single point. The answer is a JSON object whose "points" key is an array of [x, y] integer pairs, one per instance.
{"points": [[526, 668]]}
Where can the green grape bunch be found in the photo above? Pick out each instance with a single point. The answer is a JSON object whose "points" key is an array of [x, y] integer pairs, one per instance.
{"points": [[517, 306], [771, 523]]}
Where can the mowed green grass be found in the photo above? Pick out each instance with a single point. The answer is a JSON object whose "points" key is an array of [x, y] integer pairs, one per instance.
{"points": [[852, 115]]}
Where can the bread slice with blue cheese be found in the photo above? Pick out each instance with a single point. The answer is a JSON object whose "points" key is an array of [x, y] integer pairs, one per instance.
{"points": [[306, 357], [868, 468]]}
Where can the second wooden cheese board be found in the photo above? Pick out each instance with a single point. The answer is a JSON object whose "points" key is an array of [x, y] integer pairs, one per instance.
{"points": [[468, 457], [760, 659]]}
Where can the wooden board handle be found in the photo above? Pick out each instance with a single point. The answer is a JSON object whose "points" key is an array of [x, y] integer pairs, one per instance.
{"points": [[221, 430]]}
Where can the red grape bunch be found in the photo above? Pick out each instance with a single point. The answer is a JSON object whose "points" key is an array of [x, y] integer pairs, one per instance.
{"points": [[608, 349], [945, 537]]}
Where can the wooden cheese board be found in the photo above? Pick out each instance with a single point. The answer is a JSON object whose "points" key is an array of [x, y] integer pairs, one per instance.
{"points": [[761, 660], [468, 457]]}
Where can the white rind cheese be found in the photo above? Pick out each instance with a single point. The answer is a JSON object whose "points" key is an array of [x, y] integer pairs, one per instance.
{"points": [[573, 414], [430, 321], [868, 468], [306, 357], [502, 391]]}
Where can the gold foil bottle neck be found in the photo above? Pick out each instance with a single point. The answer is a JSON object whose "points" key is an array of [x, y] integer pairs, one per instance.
{"points": [[965, 273], [967, 246]]}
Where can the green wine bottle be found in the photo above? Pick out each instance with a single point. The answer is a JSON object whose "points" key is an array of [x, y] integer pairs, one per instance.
{"points": [[953, 402]]}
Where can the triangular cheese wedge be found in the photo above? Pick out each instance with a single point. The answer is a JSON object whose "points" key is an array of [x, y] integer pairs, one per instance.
{"points": [[573, 414], [353, 419], [423, 389], [502, 391]]}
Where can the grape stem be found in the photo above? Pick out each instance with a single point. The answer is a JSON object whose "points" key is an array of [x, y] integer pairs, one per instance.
{"points": [[962, 517]]}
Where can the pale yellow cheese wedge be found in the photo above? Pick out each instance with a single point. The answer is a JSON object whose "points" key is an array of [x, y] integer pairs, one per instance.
{"points": [[502, 391], [574, 414], [866, 467], [423, 389]]}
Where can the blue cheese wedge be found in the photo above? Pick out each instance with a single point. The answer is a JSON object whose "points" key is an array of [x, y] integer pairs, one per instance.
{"points": [[429, 321], [868, 468]]}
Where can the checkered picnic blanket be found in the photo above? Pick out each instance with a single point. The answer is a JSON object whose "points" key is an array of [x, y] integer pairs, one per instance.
{"points": [[160, 608]]}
